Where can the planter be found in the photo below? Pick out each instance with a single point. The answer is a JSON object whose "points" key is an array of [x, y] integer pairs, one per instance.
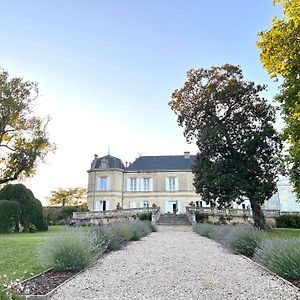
{"points": [[43, 285]]}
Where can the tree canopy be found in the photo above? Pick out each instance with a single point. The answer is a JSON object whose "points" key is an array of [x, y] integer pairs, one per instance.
{"points": [[233, 129], [71, 197], [31, 208], [280, 56], [23, 136]]}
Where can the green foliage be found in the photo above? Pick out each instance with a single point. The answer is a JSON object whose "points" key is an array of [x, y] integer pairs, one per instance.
{"points": [[288, 221], [282, 256], [280, 56], [234, 131], [9, 216], [118, 234], [31, 208], [200, 217], [71, 196], [207, 230], [6, 296], [23, 136], [145, 216], [243, 239], [70, 250]]}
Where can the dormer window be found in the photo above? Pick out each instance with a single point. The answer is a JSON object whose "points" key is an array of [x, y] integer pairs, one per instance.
{"points": [[103, 163]]}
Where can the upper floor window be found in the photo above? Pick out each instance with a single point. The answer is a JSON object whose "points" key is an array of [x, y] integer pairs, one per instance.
{"points": [[139, 184], [103, 183], [172, 183], [133, 186]]}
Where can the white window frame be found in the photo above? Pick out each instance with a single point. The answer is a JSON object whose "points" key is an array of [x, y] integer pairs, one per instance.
{"points": [[103, 183]]}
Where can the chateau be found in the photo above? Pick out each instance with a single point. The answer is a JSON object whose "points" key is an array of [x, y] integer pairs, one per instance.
{"points": [[163, 181]]}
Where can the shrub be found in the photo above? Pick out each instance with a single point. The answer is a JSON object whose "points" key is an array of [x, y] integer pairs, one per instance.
{"points": [[221, 232], [31, 208], [243, 239], [282, 256], [145, 216], [200, 217], [9, 216], [207, 230], [8, 296], [70, 250], [288, 221], [118, 234]]}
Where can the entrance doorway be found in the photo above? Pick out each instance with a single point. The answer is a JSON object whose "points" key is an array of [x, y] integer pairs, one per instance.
{"points": [[172, 207], [100, 205]]}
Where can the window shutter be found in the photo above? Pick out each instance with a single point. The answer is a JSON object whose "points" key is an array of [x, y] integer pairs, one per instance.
{"points": [[151, 184], [107, 183], [98, 183], [141, 203], [176, 184], [167, 184], [128, 184]]}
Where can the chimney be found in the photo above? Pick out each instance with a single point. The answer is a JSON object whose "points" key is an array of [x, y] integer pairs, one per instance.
{"points": [[186, 154]]}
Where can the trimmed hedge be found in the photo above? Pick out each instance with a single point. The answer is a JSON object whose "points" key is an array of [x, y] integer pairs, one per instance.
{"points": [[9, 216], [288, 221]]}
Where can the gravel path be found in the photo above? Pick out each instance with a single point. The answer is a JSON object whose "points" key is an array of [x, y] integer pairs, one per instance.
{"points": [[175, 265]]}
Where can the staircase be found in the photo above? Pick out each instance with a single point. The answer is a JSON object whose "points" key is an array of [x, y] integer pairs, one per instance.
{"points": [[173, 220]]}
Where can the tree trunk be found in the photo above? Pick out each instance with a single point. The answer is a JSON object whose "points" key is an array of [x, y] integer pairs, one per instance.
{"points": [[258, 215]]}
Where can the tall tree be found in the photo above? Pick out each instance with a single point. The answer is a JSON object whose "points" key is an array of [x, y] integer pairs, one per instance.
{"points": [[234, 132], [23, 136], [70, 196], [280, 56]]}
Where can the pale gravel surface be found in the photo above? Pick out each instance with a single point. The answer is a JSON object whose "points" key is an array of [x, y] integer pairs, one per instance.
{"points": [[175, 265]]}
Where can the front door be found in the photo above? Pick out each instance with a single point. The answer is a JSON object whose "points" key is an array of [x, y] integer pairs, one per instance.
{"points": [[171, 207], [100, 205]]}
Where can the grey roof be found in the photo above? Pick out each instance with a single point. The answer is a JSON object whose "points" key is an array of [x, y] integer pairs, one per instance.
{"points": [[162, 163], [107, 162]]}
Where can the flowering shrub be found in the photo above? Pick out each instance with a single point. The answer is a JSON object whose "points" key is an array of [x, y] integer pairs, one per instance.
{"points": [[243, 239], [282, 256], [118, 234]]}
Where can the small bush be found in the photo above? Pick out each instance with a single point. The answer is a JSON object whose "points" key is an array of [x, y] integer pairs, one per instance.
{"points": [[70, 250], [145, 216], [282, 256], [288, 221], [221, 232], [243, 239], [200, 217]]}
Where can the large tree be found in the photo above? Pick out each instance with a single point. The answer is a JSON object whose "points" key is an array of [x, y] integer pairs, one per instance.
{"points": [[23, 136], [280, 56], [71, 197], [233, 129]]}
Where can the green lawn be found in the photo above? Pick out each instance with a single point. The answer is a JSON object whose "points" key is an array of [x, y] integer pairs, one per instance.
{"points": [[18, 254], [283, 233]]}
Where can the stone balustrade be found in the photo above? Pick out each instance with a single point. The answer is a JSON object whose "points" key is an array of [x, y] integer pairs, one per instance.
{"points": [[115, 214]]}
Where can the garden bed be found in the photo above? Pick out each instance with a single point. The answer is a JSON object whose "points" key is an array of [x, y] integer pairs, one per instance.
{"points": [[42, 285]]}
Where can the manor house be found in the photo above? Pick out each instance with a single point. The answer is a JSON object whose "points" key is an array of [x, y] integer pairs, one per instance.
{"points": [[164, 181]]}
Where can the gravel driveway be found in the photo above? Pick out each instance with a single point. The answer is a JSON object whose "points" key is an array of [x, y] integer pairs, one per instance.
{"points": [[175, 265]]}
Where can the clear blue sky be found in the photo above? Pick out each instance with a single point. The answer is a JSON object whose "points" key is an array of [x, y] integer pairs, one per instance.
{"points": [[106, 70]]}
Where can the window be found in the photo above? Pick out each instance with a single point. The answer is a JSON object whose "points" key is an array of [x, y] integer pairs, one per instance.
{"points": [[103, 184], [132, 184], [172, 183], [144, 204], [146, 184]]}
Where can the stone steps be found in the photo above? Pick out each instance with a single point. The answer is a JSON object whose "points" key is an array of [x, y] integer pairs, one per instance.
{"points": [[173, 220]]}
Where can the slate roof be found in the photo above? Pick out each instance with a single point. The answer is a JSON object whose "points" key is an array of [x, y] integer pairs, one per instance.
{"points": [[162, 163], [107, 162]]}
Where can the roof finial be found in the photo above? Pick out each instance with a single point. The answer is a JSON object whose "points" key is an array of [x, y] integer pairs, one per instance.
{"points": [[108, 152]]}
